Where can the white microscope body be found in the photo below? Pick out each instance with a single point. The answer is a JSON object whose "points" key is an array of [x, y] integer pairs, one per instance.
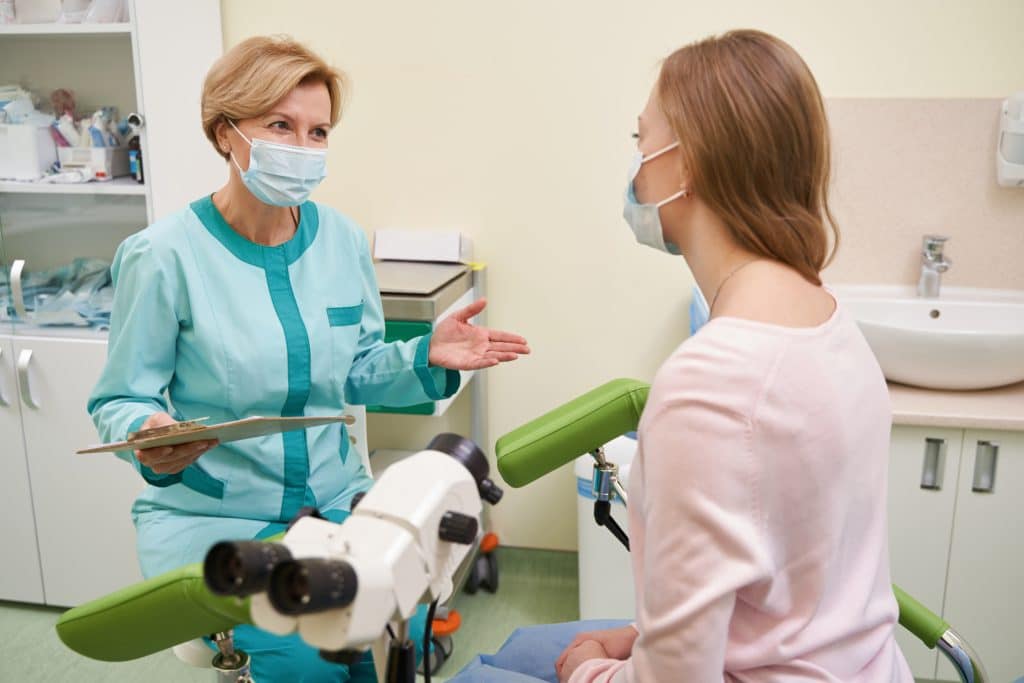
{"points": [[341, 586]]}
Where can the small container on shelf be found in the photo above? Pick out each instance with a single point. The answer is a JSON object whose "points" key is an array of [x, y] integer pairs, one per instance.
{"points": [[101, 163]]}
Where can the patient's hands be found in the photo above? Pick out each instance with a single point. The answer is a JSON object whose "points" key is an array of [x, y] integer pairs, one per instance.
{"points": [[170, 459], [612, 643]]}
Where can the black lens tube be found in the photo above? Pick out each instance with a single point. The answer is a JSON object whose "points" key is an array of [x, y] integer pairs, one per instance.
{"points": [[472, 458], [312, 585], [241, 568]]}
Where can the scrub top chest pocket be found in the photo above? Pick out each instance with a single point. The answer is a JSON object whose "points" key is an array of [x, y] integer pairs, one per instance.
{"points": [[343, 329], [345, 316]]}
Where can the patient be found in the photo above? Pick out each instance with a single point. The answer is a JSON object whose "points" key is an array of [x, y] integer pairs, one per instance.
{"points": [[758, 494]]}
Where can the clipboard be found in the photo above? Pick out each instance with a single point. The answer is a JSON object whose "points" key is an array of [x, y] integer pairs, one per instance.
{"points": [[194, 430]]}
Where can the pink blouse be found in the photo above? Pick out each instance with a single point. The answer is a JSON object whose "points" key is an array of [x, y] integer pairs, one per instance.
{"points": [[758, 513]]}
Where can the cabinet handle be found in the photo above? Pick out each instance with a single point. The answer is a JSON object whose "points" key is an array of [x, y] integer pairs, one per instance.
{"points": [[3, 397], [17, 296], [24, 359], [985, 467], [934, 464]]}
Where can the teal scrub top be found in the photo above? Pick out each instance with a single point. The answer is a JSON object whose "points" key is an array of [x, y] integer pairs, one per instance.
{"points": [[206, 323]]}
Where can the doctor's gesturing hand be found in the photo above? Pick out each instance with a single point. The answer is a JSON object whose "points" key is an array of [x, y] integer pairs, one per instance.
{"points": [[457, 344]]}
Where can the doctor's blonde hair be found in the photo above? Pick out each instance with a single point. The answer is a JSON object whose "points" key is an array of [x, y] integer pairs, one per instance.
{"points": [[253, 76], [754, 142]]}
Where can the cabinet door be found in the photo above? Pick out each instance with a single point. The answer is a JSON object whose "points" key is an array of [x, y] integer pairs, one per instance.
{"points": [[923, 473], [984, 593], [20, 578], [179, 163], [82, 502]]}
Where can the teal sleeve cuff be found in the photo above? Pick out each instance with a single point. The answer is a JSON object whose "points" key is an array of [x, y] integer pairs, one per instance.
{"points": [[149, 475], [423, 369]]}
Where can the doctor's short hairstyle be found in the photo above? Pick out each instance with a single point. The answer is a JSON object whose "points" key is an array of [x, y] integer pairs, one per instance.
{"points": [[253, 76], [754, 143]]}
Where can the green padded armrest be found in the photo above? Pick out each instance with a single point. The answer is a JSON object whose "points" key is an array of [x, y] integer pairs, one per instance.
{"points": [[918, 619], [575, 428], [151, 616]]}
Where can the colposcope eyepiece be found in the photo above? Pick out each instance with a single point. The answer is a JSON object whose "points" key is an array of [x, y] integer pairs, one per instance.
{"points": [[312, 585], [241, 568], [472, 458]]}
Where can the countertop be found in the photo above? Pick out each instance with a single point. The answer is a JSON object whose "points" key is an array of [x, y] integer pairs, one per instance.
{"points": [[1001, 408]]}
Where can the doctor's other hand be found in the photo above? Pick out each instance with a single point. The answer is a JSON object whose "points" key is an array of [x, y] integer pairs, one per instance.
{"points": [[575, 655], [170, 459], [457, 344]]}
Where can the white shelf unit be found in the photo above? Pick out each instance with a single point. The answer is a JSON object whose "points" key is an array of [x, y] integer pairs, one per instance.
{"points": [[127, 186], [62, 29], [56, 506]]}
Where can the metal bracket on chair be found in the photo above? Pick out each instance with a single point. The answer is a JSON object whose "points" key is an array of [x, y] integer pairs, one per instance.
{"points": [[963, 657], [606, 484], [606, 487], [231, 665]]}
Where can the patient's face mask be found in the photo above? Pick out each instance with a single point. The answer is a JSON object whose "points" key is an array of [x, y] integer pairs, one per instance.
{"points": [[281, 175], [645, 219]]}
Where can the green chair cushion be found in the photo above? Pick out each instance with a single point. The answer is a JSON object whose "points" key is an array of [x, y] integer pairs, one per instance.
{"points": [[575, 428], [150, 616]]}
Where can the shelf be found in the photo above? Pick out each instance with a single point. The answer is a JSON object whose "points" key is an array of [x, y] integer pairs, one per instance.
{"points": [[61, 29], [32, 332], [126, 186]]}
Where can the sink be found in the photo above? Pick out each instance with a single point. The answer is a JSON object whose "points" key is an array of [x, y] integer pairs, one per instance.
{"points": [[965, 339]]}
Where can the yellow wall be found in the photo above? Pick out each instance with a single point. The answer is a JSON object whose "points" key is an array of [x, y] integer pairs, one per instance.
{"points": [[512, 121]]}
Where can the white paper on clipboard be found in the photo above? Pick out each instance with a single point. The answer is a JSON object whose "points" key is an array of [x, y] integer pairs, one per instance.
{"points": [[237, 430]]}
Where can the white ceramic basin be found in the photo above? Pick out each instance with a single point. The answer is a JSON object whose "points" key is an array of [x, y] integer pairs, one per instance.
{"points": [[965, 339]]}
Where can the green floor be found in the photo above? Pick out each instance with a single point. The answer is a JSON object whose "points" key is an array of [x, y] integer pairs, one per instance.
{"points": [[536, 587]]}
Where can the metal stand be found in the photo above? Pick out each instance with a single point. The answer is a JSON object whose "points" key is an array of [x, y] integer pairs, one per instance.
{"points": [[231, 665], [401, 667]]}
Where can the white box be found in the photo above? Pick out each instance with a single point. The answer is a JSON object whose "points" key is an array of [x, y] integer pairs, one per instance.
{"points": [[36, 11], [105, 163], [422, 245], [26, 151]]}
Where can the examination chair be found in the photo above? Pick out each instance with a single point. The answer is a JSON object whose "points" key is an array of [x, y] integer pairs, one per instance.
{"points": [[177, 607]]}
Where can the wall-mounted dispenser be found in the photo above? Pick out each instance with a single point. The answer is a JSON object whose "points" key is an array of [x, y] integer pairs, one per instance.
{"points": [[1010, 148]]}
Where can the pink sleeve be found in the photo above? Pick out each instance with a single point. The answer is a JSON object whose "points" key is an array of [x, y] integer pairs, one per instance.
{"points": [[703, 538], [600, 671]]}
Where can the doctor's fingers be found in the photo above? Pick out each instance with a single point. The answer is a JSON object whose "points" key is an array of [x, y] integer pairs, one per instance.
{"points": [[173, 459], [522, 349], [500, 356], [502, 336]]}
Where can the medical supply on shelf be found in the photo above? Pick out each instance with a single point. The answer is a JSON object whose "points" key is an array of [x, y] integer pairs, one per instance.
{"points": [[27, 151], [7, 15], [95, 163], [36, 11], [79, 294]]}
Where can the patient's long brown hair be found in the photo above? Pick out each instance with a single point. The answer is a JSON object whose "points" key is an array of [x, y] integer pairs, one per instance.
{"points": [[755, 144]]}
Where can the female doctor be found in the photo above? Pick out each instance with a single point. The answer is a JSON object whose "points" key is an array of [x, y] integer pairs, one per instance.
{"points": [[255, 301]]}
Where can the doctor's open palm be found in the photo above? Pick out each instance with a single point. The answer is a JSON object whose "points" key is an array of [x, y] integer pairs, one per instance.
{"points": [[457, 344]]}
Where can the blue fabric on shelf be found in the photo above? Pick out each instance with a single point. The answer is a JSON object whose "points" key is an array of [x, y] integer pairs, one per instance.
{"points": [[75, 294]]}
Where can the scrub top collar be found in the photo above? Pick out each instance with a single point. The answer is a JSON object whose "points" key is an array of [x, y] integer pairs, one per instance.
{"points": [[250, 252]]}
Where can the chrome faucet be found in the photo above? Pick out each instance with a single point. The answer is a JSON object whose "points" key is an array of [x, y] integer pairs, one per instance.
{"points": [[933, 265]]}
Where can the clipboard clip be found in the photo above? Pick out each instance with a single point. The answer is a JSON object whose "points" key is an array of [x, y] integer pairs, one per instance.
{"points": [[186, 427]]}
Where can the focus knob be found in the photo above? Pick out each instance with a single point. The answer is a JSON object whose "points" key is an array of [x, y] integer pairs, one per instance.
{"points": [[458, 528]]}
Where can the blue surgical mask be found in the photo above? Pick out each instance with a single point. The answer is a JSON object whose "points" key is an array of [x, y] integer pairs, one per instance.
{"points": [[645, 219], [281, 175]]}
